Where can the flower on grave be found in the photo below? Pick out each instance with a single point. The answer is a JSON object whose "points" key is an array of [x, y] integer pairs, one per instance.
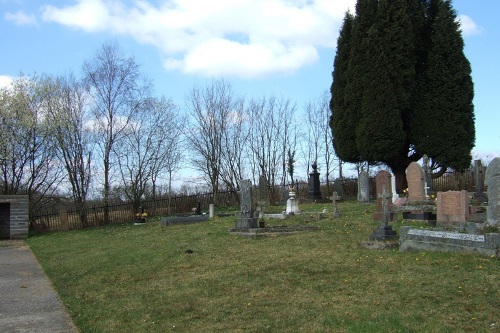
{"points": [[141, 215], [405, 192]]}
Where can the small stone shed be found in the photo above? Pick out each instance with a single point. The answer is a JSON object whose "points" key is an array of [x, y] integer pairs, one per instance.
{"points": [[14, 216]]}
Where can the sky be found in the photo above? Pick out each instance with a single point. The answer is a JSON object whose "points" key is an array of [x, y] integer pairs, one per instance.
{"points": [[262, 47]]}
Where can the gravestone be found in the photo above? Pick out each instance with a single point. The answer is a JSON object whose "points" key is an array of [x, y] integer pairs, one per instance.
{"points": [[416, 182], [263, 202], [493, 182], [314, 184], [395, 195], [427, 175], [452, 206], [383, 183], [335, 198], [363, 187], [479, 182], [338, 186], [384, 231], [245, 218]]}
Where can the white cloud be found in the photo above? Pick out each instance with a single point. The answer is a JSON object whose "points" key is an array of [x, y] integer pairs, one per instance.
{"points": [[245, 38], [5, 81], [468, 26], [21, 18]]}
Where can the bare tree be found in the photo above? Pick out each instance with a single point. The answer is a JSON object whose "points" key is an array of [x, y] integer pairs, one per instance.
{"points": [[215, 134], [150, 146], [27, 148], [319, 135], [272, 133], [67, 112], [117, 92]]}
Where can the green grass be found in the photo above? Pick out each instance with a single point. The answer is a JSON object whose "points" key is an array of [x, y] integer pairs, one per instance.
{"points": [[125, 278]]}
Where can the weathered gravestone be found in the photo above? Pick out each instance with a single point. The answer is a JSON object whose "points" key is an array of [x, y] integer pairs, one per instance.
{"points": [[335, 198], [314, 184], [363, 187], [245, 218], [338, 186], [427, 175], [263, 193], [384, 231], [493, 182], [395, 195], [452, 207], [383, 183], [416, 182], [417, 204], [479, 182]]}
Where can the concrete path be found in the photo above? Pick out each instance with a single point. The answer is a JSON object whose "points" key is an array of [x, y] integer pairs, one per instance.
{"points": [[28, 302]]}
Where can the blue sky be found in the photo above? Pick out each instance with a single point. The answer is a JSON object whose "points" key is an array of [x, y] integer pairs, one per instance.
{"points": [[283, 47]]}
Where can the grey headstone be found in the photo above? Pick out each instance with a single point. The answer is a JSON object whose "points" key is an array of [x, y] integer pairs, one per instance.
{"points": [[363, 187], [338, 187], [245, 218], [493, 182], [335, 198], [479, 181], [263, 193]]}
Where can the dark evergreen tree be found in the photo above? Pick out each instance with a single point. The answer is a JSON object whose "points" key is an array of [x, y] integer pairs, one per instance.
{"points": [[340, 122], [443, 121], [400, 75]]}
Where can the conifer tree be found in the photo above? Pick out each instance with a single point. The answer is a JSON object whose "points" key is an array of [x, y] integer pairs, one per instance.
{"points": [[443, 124], [402, 86]]}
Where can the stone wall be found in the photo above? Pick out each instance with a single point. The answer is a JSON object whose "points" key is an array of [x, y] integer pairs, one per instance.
{"points": [[14, 218]]}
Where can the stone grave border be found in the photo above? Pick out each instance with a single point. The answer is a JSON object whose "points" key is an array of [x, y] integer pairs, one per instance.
{"points": [[412, 239], [179, 220]]}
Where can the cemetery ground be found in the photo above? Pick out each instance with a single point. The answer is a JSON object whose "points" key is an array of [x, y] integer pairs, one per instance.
{"points": [[201, 278]]}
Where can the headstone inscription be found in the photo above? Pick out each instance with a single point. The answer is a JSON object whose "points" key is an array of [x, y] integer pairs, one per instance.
{"points": [[245, 219], [493, 182], [416, 182], [383, 182], [452, 206], [363, 187]]}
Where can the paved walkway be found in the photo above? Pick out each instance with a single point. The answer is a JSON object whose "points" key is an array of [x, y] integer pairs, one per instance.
{"points": [[28, 302]]}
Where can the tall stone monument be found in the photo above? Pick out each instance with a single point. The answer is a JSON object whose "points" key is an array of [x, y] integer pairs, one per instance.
{"points": [[314, 184], [263, 193], [246, 219], [479, 181], [493, 182], [363, 187]]}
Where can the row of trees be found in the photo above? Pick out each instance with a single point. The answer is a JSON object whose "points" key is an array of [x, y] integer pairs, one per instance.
{"points": [[106, 132], [402, 87]]}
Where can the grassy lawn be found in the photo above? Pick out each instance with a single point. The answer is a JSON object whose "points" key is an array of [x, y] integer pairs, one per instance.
{"points": [[125, 278]]}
